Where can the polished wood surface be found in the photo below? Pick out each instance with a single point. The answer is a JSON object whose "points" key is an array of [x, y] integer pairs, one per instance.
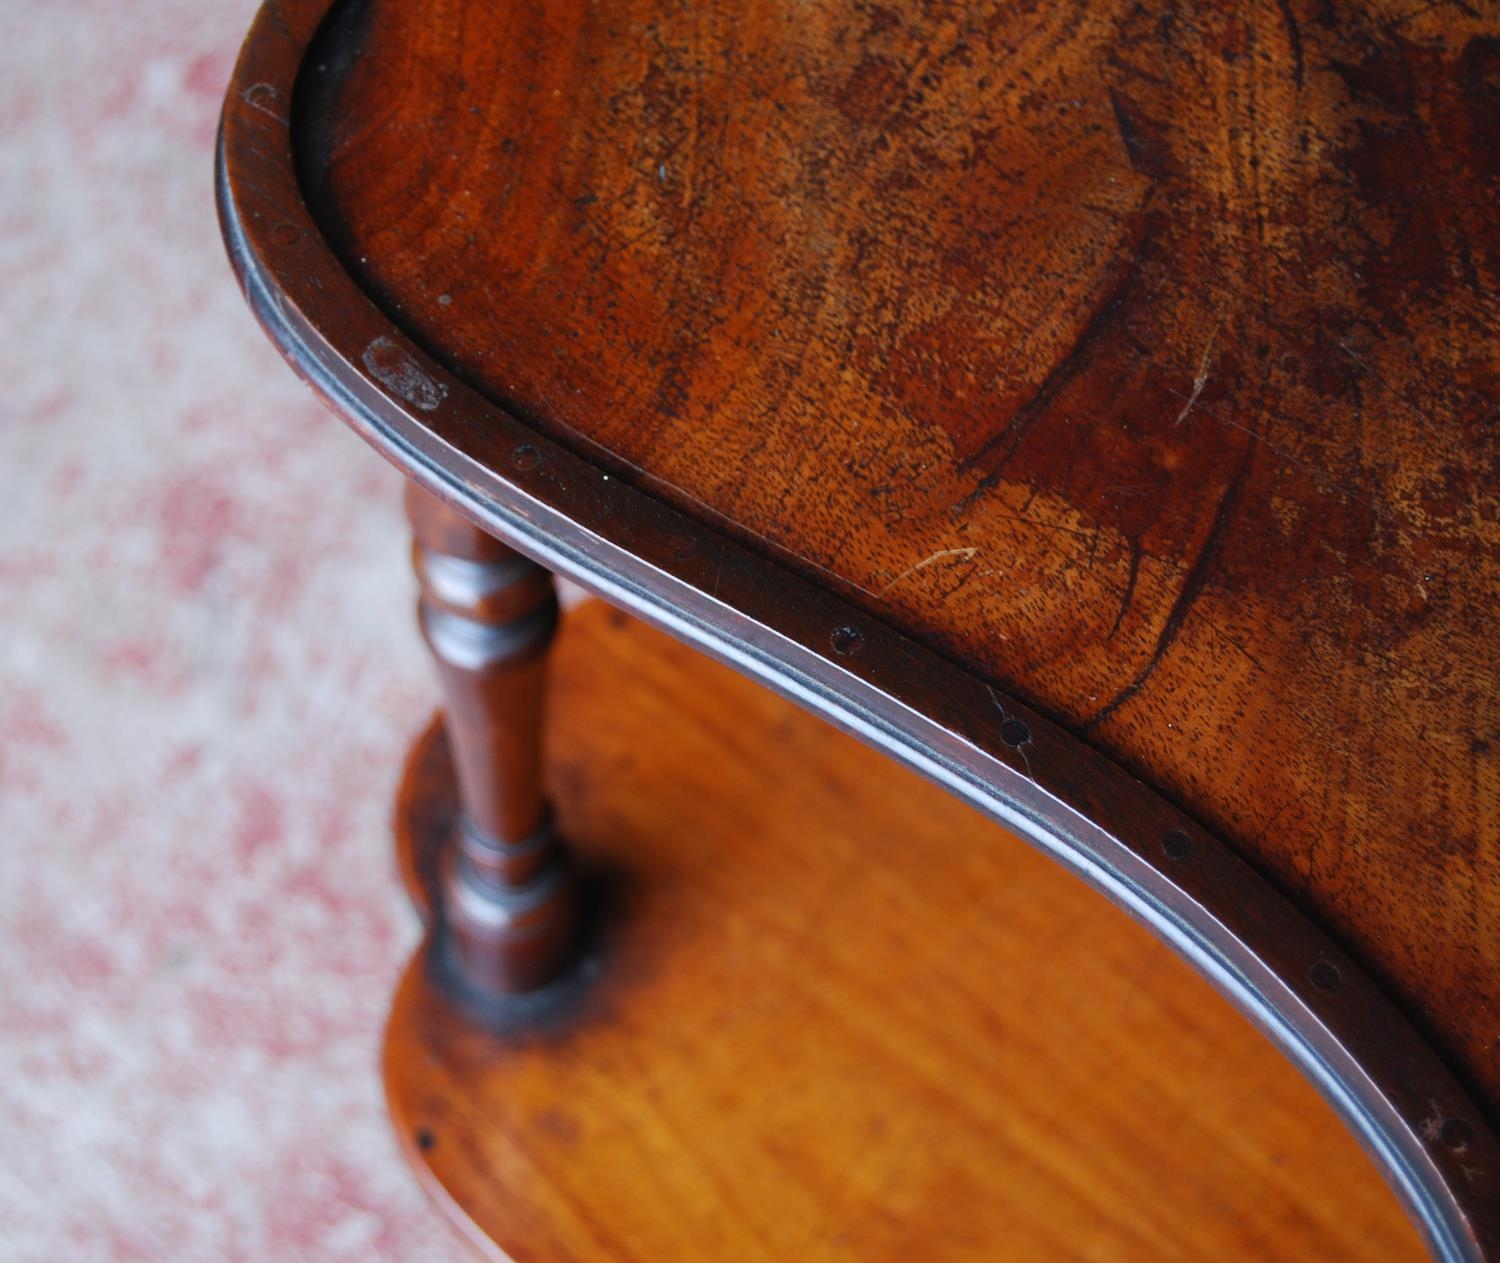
{"points": [[835, 1015], [1140, 358], [317, 117]]}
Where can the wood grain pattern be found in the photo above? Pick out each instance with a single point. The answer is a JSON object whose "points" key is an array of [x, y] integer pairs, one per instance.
{"points": [[1139, 358], [839, 1016]]}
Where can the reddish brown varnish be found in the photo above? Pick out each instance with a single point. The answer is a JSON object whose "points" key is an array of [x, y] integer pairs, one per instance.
{"points": [[1141, 358], [838, 1016], [900, 331]]}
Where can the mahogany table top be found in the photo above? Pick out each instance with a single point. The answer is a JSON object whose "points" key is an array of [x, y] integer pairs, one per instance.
{"points": [[1127, 373]]}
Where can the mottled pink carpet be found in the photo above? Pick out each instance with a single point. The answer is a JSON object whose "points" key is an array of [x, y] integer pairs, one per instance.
{"points": [[208, 677]]}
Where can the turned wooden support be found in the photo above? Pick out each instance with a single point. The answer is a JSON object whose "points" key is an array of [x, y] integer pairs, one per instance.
{"points": [[508, 896]]}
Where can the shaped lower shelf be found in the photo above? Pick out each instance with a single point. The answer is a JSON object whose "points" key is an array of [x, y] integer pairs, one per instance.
{"points": [[833, 1014]]}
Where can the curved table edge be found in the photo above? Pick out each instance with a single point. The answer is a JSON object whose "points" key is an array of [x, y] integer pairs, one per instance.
{"points": [[1389, 1086]]}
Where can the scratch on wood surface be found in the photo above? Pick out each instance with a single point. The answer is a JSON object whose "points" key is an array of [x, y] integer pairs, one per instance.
{"points": [[968, 554], [1200, 380], [1369, 371], [260, 96], [399, 373], [1431, 1127]]}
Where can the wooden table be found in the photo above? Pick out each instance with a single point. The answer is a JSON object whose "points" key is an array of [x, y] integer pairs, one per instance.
{"points": [[1092, 407]]}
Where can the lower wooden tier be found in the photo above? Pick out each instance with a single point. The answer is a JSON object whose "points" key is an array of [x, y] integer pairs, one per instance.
{"points": [[832, 1014]]}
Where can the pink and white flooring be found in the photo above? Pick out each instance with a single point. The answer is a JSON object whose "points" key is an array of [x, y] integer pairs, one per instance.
{"points": [[208, 679]]}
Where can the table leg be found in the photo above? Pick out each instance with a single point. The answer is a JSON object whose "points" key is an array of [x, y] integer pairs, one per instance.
{"points": [[507, 895]]}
